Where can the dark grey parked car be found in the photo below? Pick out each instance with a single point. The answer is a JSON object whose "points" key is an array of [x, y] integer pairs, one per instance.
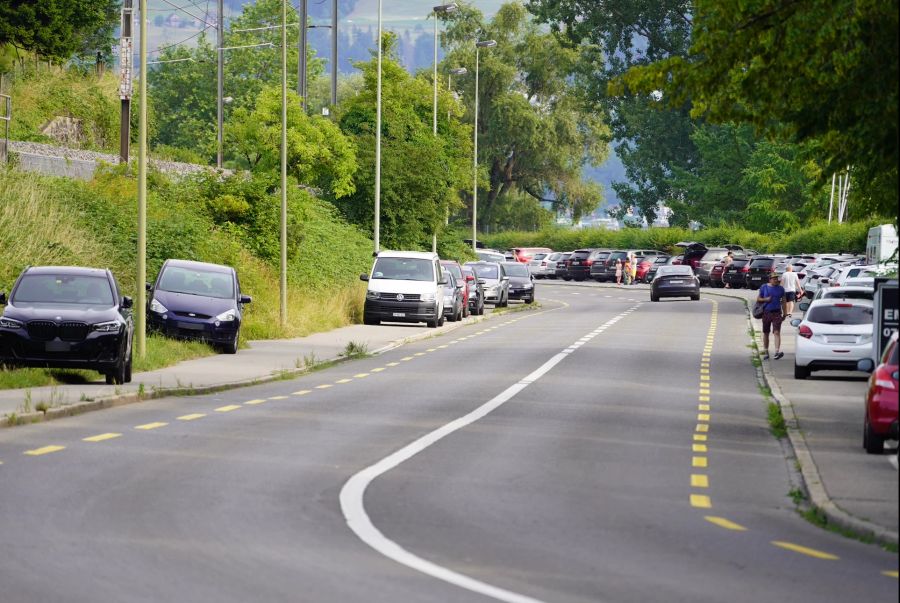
{"points": [[496, 283]]}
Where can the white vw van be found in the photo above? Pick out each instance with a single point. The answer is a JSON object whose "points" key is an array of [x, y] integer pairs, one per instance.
{"points": [[405, 286]]}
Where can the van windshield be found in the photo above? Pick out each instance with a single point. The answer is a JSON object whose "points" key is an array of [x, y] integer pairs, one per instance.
{"points": [[403, 269]]}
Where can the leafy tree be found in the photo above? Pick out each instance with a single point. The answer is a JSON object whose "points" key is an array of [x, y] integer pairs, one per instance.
{"points": [[534, 132], [804, 70], [652, 140], [184, 91], [59, 29], [421, 173], [318, 154]]}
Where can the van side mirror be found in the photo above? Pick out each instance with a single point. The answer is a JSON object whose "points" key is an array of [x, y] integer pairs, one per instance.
{"points": [[127, 302], [364, 277], [866, 365], [246, 299], [443, 280], [148, 286], [2, 298]]}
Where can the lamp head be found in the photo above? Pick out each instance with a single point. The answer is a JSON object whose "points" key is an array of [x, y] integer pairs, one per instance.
{"points": [[486, 43], [459, 71], [446, 8]]}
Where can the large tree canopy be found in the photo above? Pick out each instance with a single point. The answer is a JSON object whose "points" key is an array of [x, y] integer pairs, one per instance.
{"points": [[59, 29], [535, 133], [801, 70]]}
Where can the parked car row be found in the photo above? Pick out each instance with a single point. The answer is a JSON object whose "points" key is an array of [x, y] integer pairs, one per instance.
{"points": [[69, 317], [412, 286]]}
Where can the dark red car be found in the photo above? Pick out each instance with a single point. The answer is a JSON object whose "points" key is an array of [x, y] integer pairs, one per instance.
{"points": [[643, 267], [881, 400], [715, 275]]}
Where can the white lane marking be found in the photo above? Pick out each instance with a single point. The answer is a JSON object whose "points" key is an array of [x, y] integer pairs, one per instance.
{"points": [[353, 492]]}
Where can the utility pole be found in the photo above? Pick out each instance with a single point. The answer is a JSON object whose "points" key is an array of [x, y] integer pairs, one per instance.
{"points": [[126, 62], [284, 160], [334, 51], [301, 55], [140, 307], [220, 84]]}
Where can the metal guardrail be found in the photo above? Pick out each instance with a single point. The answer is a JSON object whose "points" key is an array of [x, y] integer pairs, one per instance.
{"points": [[6, 116]]}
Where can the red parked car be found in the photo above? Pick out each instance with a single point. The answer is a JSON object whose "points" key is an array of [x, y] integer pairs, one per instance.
{"points": [[880, 421], [716, 274], [643, 267], [454, 267]]}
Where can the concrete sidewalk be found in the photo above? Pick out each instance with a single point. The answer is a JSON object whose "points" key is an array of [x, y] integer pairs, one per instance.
{"points": [[850, 489]]}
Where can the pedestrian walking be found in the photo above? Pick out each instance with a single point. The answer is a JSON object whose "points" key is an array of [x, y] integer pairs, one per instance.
{"points": [[626, 271], [634, 264], [772, 295], [726, 262], [792, 289], [618, 271]]}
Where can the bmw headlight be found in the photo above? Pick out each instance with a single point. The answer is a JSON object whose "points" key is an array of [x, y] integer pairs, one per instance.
{"points": [[427, 297], [157, 307], [107, 327], [372, 295], [9, 323], [226, 316]]}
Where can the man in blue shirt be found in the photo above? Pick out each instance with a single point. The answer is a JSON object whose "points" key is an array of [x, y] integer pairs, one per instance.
{"points": [[773, 297]]}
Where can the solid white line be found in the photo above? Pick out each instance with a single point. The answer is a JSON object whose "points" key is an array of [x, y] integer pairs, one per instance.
{"points": [[353, 492]]}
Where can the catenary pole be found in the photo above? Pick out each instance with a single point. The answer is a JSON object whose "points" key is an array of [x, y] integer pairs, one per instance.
{"points": [[140, 307], [283, 305]]}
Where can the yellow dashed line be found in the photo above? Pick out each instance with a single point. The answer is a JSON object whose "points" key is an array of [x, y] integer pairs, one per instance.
{"points": [[805, 551], [343, 380], [260, 401], [889, 574], [704, 377], [44, 450], [724, 523], [431, 350], [102, 437], [698, 448], [703, 417], [377, 370], [419, 354], [698, 480], [703, 406], [149, 426], [701, 501], [324, 386], [255, 401], [704, 391], [278, 398], [406, 359], [702, 427], [360, 375], [191, 417], [699, 437], [391, 364], [441, 347], [704, 371], [699, 461], [302, 392], [227, 408]]}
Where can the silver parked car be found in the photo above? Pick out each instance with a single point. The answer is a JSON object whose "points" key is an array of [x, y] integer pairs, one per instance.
{"points": [[496, 283]]}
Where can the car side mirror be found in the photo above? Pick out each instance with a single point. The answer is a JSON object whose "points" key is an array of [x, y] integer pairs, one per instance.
{"points": [[460, 285], [127, 302], [148, 286], [824, 280], [443, 281], [866, 365], [504, 278], [2, 298], [481, 281], [796, 322], [364, 277], [804, 306], [246, 299]]}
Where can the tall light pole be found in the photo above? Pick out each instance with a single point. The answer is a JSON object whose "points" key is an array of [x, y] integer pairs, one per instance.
{"points": [[478, 46], [220, 81], [140, 311], [334, 51], [442, 9], [301, 62], [378, 142], [283, 312]]}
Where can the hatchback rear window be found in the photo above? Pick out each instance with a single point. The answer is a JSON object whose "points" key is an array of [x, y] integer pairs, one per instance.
{"points": [[453, 269], [762, 263], [837, 293], [714, 255], [486, 271], [843, 314], [579, 255]]}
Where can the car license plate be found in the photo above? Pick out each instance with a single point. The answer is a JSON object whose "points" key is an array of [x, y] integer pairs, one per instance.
{"points": [[57, 346], [676, 282], [190, 326], [399, 314]]}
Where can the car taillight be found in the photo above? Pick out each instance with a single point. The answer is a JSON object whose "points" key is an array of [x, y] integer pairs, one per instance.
{"points": [[884, 380], [588, 262], [805, 331], [745, 269], [843, 305]]}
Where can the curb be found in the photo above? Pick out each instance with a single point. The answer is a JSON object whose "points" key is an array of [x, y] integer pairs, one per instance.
{"points": [[77, 408]]}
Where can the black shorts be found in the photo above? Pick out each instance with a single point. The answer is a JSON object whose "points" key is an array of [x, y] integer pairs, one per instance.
{"points": [[772, 321], [790, 296]]}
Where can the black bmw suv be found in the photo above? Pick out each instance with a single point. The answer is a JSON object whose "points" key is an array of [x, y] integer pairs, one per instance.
{"points": [[68, 317]]}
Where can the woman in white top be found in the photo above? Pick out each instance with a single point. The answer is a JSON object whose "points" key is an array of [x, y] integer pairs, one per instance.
{"points": [[792, 290]]}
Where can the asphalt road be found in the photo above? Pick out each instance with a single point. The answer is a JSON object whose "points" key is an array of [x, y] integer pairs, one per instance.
{"points": [[602, 448]]}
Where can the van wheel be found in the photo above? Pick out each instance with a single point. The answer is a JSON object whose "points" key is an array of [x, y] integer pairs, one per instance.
{"points": [[433, 324], [370, 321]]}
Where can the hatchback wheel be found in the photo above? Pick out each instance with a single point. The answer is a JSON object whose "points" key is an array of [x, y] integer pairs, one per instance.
{"points": [[872, 442], [801, 372]]}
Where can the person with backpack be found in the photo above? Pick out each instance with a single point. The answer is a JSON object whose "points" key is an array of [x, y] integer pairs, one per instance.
{"points": [[626, 271], [772, 296]]}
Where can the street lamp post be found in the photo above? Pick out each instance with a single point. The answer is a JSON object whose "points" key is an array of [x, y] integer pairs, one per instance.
{"points": [[442, 9], [378, 142], [283, 279], [457, 71], [478, 46]]}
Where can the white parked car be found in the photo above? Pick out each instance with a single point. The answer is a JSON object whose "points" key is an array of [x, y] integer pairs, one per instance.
{"points": [[833, 335], [846, 272], [538, 265], [848, 293]]}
